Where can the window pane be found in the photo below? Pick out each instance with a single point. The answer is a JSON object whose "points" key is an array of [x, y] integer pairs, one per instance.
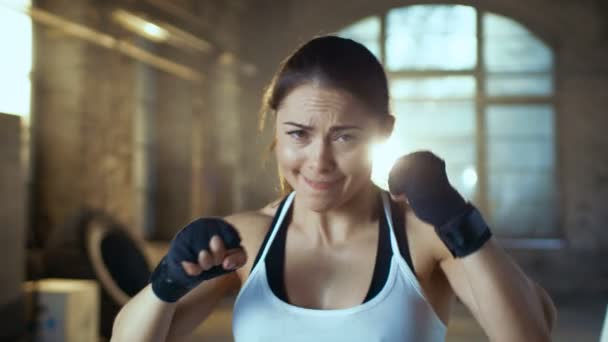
{"points": [[366, 32], [516, 121], [523, 156], [519, 85], [426, 119], [523, 204], [431, 37], [453, 87], [521, 162], [509, 46], [446, 128]]}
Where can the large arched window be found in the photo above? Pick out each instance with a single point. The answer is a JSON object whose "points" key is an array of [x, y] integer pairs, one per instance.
{"points": [[477, 88]]}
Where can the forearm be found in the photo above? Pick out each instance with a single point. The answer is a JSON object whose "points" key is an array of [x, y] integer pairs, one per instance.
{"points": [[509, 305], [143, 318]]}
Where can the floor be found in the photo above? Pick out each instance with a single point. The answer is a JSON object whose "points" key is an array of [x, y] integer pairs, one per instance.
{"points": [[578, 321]]}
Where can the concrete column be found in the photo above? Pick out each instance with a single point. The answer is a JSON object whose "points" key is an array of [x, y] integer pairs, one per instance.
{"points": [[12, 232], [144, 151]]}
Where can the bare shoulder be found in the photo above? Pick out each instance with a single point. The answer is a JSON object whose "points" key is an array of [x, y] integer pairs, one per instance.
{"points": [[252, 227], [251, 223]]}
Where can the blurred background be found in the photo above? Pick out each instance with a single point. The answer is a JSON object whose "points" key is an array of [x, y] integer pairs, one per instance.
{"points": [[123, 120]]}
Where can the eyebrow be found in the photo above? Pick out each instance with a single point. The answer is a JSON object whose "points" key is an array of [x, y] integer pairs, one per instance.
{"points": [[334, 128]]}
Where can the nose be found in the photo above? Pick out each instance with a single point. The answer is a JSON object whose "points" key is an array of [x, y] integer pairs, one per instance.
{"points": [[321, 159]]}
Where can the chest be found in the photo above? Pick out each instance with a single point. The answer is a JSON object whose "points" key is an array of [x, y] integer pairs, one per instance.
{"points": [[329, 278], [341, 277]]}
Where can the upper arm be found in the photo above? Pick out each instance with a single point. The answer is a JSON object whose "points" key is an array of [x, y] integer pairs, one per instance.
{"points": [[426, 251], [431, 258]]}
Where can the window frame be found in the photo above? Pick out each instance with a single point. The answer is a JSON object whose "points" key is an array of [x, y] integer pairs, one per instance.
{"points": [[482, 101]]}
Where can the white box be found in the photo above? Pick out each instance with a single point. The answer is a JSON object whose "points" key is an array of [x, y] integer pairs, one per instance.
{"points": [[67, 309]]}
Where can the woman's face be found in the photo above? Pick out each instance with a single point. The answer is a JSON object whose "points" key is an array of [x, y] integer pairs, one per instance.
{"points": [[323, 137]]}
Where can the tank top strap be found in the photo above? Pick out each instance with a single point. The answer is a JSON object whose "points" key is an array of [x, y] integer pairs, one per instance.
{"points": [[386, 203], [398, 236], [274, 229]]}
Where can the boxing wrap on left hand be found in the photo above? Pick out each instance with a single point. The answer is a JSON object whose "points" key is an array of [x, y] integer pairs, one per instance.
{"points": [[422, 178], [169, 280]]}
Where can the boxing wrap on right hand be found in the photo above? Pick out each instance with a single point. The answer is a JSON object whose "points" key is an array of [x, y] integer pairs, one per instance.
{"points": [[422, 178], [169, 280]]}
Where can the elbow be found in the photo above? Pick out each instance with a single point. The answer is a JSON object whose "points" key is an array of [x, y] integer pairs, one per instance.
{"points": [[540, 335], [548, 308], [535, 327], [541, 331], [115, 336], [537, 333], [123, 332], [550, 315]]}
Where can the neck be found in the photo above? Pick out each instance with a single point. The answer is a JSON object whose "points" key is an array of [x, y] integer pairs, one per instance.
{"points": [[341, 223]]}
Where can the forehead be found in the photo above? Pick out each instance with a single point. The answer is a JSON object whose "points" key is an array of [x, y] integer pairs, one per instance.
{"points": [[310, 103]]}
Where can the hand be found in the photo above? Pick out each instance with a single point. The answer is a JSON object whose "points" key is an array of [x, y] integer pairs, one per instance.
{"points": [[229, 259], [204, 249], [420, 178]]}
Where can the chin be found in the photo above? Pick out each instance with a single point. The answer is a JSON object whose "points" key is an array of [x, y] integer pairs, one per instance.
{"points": [[318, 204], [320, 201]]}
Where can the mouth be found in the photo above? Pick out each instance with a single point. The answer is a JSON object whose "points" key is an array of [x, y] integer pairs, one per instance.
{"points": [[321, 185]]}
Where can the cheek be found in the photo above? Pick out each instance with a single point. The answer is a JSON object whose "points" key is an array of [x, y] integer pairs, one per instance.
{"points": [[287, 156], [349, 161], [354, 162]]}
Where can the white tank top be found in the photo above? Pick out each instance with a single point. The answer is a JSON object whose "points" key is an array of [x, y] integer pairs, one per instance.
{"points": [[398, 312]]}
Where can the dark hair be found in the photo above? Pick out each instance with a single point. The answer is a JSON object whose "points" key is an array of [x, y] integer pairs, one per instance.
{"points": [[333, 62]]}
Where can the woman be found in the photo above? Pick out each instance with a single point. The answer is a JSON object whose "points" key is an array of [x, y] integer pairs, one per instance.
{"points": [[336, 258]]}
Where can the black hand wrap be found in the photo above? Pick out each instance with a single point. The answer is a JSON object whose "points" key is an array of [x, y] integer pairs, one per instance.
{"points": [[421, 177], [169, 280], [465, 233]]}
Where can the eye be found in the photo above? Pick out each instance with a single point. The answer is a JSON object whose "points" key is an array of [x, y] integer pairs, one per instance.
{"points": [[345, 137], [297, 134]]}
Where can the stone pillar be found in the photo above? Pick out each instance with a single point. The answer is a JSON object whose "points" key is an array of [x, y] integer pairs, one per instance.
{"points": [[12, 232], [144, 152]]}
